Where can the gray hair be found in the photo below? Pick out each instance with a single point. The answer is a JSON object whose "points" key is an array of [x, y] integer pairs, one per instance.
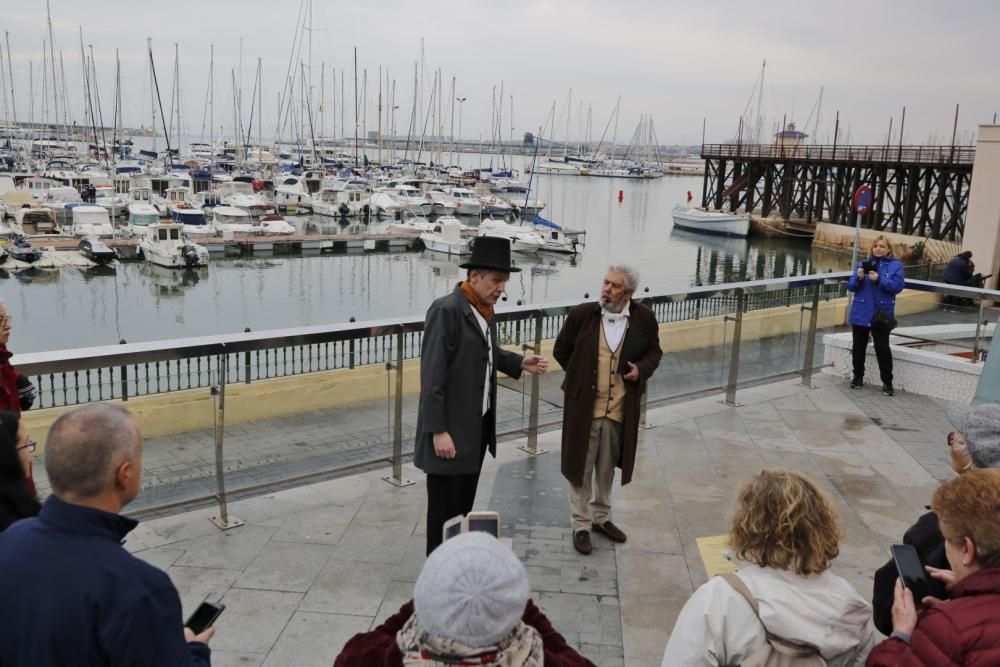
{"points": [[86, 445], [631, 275]]}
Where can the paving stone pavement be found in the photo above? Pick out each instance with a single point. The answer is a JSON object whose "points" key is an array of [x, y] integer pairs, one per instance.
{"points": [[317, 563]]}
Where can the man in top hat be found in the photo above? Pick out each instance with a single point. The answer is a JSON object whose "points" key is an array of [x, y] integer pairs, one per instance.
{"points": [[459, 359]]}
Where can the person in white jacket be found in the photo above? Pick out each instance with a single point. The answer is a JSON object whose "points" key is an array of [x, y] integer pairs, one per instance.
{"points": [[784, 533]]}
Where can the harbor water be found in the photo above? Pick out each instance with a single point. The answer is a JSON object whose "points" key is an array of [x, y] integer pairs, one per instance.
{"points": [[72, 307]]}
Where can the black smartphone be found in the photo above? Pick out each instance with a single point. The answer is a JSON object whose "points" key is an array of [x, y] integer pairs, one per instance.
{"points": [[910, 569], [867, 266], [204, 616]]}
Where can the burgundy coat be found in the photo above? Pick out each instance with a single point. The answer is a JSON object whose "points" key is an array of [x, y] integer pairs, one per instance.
{"points": [[576, 351], [378, 648], [962, 631], [8, 383]]}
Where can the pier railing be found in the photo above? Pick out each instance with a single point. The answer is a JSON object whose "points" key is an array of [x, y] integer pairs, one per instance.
{"points": [[895, 154], [726, 336]]}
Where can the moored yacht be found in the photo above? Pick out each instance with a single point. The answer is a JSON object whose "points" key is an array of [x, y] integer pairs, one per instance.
{"points": [[165, 245]]}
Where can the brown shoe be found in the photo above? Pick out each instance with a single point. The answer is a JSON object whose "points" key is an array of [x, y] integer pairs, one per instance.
{"points": [[611, 530], [581, 542]]}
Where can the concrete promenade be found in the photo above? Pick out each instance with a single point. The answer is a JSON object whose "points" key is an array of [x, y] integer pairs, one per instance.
{"points": [[315, 564]]}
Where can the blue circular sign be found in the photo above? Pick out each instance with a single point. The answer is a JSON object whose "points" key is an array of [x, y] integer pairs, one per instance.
{"points": [[863, 199]]}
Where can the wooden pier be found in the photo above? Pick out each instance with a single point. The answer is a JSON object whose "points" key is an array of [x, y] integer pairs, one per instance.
{"points": [[294, 244], [919, 190]]}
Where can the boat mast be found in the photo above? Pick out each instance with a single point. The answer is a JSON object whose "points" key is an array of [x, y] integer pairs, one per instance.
{"points": [[355, 106], [117, 109], [760, 93], [10, 77], [380, 114], [52, 60], [452, 158], [211, 102], [158, 101], [100, 114]]}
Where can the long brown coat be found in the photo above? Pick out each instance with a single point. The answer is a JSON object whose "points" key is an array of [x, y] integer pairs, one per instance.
{"points": [[576, 351]]}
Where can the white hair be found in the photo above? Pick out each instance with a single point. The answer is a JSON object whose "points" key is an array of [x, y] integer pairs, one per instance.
{"points": [[631, 275]]}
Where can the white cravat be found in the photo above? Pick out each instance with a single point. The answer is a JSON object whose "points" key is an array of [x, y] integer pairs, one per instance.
{"points": [[489, 355], [614, 326]]}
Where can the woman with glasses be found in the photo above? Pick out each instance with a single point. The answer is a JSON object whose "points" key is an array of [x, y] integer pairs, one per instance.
{"points": [[17, 489]]}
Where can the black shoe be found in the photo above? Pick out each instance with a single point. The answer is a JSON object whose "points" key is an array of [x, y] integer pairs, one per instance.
{"points": [[887, 389], [857, 382]]}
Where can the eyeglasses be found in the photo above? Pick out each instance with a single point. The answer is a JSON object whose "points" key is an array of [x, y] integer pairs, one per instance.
{"points": [[29, 445], [5, 321]]}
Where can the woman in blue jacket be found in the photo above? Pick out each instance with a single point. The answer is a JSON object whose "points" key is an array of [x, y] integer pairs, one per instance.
{"points": [[874, 291]]}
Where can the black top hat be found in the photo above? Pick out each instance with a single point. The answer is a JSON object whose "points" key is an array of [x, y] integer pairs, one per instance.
{"points": [[490, 252]]}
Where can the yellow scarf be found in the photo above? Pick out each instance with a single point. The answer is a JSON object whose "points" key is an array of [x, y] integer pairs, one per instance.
{"points": [[485, 309]]}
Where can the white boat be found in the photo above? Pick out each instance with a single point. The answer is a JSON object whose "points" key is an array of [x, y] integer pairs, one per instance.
{"points": [[466, 201], [166, 246], [141, 217], [292, 194], [411, 199], [241, 195], [35, 221], [711, 222], [441, 203], [91, 221], [522, 239], [412, 224], [238, 221], [446, 238]]}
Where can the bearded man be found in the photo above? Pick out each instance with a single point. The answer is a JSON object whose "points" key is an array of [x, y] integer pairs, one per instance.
{"points": [[609, 350]]}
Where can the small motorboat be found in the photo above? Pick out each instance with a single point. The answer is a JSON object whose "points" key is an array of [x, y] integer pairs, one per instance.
{"points": [[166, 246], [97, 251], [711, 222], [22, 251], [446, 238]]}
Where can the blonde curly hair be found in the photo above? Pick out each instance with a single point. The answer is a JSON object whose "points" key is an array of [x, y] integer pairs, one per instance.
{"points": [[783, 520]]}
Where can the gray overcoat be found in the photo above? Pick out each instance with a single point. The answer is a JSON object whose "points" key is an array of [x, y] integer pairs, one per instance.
{"points": [[453, 360]]}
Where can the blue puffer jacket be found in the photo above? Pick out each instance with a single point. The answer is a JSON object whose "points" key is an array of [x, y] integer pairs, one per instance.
{"points": [[880, 295]]}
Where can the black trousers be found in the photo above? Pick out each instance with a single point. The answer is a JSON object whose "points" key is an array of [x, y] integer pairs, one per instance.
{"points": [[451, 495], [880, 339]]}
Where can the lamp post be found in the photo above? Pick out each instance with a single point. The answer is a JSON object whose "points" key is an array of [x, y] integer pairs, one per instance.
{"points": [[460, 100]]}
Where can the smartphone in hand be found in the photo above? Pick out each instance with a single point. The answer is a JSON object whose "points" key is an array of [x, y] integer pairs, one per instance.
{"points": [[910, 569], [204, 617]]}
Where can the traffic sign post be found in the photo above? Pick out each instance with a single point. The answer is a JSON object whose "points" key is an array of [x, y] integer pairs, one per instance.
{"points": [[863, 198]]}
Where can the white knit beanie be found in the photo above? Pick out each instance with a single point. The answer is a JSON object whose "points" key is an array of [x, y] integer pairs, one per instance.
{"points": [[472, 590]]}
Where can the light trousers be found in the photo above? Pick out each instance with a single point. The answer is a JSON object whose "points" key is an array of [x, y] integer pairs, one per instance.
{"points": [[587, 503]]}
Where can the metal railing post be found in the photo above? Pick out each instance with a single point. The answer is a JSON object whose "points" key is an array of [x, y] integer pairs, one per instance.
{"points": [[396, 479], [246, 361], [124, 376], [807, 365], [224, 521], [734, 357], [979, 332], [532, 446]]}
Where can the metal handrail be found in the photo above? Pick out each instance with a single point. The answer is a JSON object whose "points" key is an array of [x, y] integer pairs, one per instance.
{"points": [[59, 361], [960, 155]]}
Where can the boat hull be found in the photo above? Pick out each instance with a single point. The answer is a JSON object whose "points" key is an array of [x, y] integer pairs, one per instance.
{"points": [[712, 223]]}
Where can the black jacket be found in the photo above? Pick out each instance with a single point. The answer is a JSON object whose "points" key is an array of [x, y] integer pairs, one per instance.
{"points": [[926, 536], [74, 597]]}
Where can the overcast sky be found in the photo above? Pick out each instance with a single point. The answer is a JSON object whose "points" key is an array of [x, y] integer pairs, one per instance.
{"points": [[678, 61]]}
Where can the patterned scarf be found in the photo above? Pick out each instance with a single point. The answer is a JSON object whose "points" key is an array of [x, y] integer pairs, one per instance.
{"points": [[523, 646], [485, 309]]}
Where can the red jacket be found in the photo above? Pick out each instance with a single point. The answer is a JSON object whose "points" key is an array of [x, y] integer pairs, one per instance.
{"points": [[8, 383], [962, 631], [378, 648]]}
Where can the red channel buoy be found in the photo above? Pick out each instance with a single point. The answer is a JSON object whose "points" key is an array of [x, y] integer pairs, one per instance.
{"points": [[621, 195]]}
